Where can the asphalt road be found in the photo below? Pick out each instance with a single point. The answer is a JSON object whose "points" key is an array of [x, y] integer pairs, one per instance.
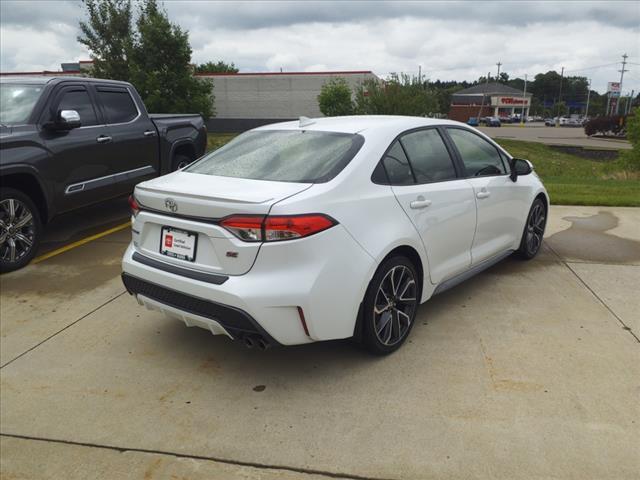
{"points": [[537, 132], [529, 370]]}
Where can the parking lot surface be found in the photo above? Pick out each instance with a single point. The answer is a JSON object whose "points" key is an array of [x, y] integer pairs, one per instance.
{"points": [[537, 132], [528, 370]]}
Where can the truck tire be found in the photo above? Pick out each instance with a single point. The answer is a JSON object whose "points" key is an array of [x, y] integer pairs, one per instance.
{"points": [[180, 161], [20, 229]]}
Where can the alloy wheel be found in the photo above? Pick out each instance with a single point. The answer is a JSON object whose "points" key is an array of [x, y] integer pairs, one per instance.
{"points": [[17, 230], [394, 305], [535, 228]]}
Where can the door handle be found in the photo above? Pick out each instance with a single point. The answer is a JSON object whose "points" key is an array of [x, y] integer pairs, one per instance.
{"points": [[483, 194], [420, 203], [103, 139], [149, 133]]}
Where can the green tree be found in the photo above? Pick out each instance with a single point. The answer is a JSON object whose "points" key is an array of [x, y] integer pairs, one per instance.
{"points": [[335, 98], [108, 35], [155, 56], [631, 158], [161, 69], [216, 67], [400, 95]]}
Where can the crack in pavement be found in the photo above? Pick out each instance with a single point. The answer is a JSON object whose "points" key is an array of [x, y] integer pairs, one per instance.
{"points": [[307, 471], [62, 330], [566, 264]]}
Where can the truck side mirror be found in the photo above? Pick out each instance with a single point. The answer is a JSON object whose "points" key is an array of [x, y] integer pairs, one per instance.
{"points": [[67, 120]]}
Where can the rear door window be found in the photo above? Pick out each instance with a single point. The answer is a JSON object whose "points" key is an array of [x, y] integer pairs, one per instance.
{"points": [[118, 105], [397, 166], [429, 156], [77, 98], [480, 158]]}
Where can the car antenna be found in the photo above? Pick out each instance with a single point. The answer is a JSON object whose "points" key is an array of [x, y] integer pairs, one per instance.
{"points": [[306, 121]]}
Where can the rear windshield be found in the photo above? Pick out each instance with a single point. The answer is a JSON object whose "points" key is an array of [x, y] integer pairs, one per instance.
{"points": [[282, 156]]}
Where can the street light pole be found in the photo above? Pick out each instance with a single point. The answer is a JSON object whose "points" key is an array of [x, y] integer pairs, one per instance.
{"points": [[524, 100], [586, 112], [559, 98]]}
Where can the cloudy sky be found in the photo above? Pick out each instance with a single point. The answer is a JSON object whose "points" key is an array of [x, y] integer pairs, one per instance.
{"points": [[450, 40]]}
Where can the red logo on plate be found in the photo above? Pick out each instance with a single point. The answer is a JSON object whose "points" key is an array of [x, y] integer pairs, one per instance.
{"points": [[168, 241]]}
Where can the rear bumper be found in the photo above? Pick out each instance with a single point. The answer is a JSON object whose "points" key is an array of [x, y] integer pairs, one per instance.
{"points": [[326, 275], [195, 311]]}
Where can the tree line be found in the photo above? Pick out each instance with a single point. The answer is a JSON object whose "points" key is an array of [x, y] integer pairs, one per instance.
{"points": [[403, 94]]}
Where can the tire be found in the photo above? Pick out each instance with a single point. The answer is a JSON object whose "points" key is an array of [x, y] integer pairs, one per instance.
{"points": [[390, 306], [533, 230], [180, 161], [20, 229]]}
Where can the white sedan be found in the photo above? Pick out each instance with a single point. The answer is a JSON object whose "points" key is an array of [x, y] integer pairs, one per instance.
{"points": [[329, 228]]}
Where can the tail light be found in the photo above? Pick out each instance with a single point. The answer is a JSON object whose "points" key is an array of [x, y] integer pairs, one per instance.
{"points": [[134, 206], [258, 228]]}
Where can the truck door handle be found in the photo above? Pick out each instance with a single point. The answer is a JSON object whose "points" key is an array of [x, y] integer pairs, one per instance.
{"points": [[149, 133], [103, 139], [483, 194], [419, 203]]}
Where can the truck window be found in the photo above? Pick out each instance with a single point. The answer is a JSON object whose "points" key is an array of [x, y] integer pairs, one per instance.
{"points": [[79, 100], [118, 105]]}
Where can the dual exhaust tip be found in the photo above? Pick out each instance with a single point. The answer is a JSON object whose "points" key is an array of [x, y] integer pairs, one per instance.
{"points": [[251, 341]]}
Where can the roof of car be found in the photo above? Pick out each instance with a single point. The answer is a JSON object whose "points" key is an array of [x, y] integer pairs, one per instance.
{"points": [[33, 80], [358, 123]]}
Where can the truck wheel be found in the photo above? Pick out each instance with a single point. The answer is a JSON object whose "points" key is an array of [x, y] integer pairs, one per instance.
{"points": [[180, 161], [20, 229]]}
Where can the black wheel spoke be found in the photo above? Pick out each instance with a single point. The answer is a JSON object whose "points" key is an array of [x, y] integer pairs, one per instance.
{"points": [[17, 234]]}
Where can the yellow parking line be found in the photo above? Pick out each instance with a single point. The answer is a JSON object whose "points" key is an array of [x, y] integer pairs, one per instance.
{"points": [[66, 248]]}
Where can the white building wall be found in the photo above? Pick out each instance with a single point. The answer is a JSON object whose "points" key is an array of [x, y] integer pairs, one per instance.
{"points": [[285, 95]]}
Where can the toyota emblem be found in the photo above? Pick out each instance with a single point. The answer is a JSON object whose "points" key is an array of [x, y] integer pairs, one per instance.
{"points": [[171, 204]]}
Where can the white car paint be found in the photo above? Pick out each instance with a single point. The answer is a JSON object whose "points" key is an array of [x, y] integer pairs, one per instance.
{"points": [[458, 224]]}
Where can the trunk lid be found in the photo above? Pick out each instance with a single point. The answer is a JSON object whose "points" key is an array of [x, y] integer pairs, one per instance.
{"points": [[194, 203]]}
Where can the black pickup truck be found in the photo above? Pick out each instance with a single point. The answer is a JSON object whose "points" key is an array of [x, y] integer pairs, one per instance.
{"points": [[69, 142]]}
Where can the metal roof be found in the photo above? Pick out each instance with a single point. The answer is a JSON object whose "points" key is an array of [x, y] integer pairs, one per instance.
{"points": [[491, 89]]}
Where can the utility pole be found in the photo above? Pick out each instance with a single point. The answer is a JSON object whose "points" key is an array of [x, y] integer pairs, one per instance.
{"points": [[420, 74], [559, 98], [524, 100], [629, 102], [586, 112], [498, 76], [624, 63], [486, 87]]}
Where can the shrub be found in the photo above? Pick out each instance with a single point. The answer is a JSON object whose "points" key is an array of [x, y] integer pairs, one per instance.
{"points": [[614, 125], [335, 98]]}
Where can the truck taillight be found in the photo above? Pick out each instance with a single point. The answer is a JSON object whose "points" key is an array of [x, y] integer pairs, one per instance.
{"points": [[257, 228], [134, 206]]}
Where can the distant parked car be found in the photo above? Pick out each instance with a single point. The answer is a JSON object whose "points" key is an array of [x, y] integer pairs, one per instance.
{"points": [[473, 122], [504, 119], [493, 122], [549, 122]]}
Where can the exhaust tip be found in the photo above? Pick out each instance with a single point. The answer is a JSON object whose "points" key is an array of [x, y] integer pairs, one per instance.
{"points": [[263, 344]]}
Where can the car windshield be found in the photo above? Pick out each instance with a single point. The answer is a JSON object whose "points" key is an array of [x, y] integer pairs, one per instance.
{"points": [[17, 101], [282, 155]]}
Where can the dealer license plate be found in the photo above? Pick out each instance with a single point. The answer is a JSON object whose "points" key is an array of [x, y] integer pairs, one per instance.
{"points": [[178, 243]]}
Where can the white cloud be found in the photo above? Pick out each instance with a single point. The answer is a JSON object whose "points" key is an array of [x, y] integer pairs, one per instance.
{"points": [[449, 40]]}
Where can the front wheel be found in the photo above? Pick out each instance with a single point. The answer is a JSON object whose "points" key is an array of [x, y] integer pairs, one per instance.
{"points": [[20, 229], [390, 306], [533, 230], [180, 161]]}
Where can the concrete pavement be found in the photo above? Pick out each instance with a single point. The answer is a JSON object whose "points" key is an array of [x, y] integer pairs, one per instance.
{"points": [[529, 370], [537, 132]]}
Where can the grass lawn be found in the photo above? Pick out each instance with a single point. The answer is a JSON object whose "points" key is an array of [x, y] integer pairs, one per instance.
{"points": [[570, 179]]}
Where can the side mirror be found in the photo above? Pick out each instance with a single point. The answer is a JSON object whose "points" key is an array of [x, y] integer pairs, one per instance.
{"points": [[520, 166], [67, 120]]}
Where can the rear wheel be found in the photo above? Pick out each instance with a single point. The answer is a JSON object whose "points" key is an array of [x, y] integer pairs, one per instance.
{"points": [[20, 229], [390, 306], [533, 230], [180, 161]]}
